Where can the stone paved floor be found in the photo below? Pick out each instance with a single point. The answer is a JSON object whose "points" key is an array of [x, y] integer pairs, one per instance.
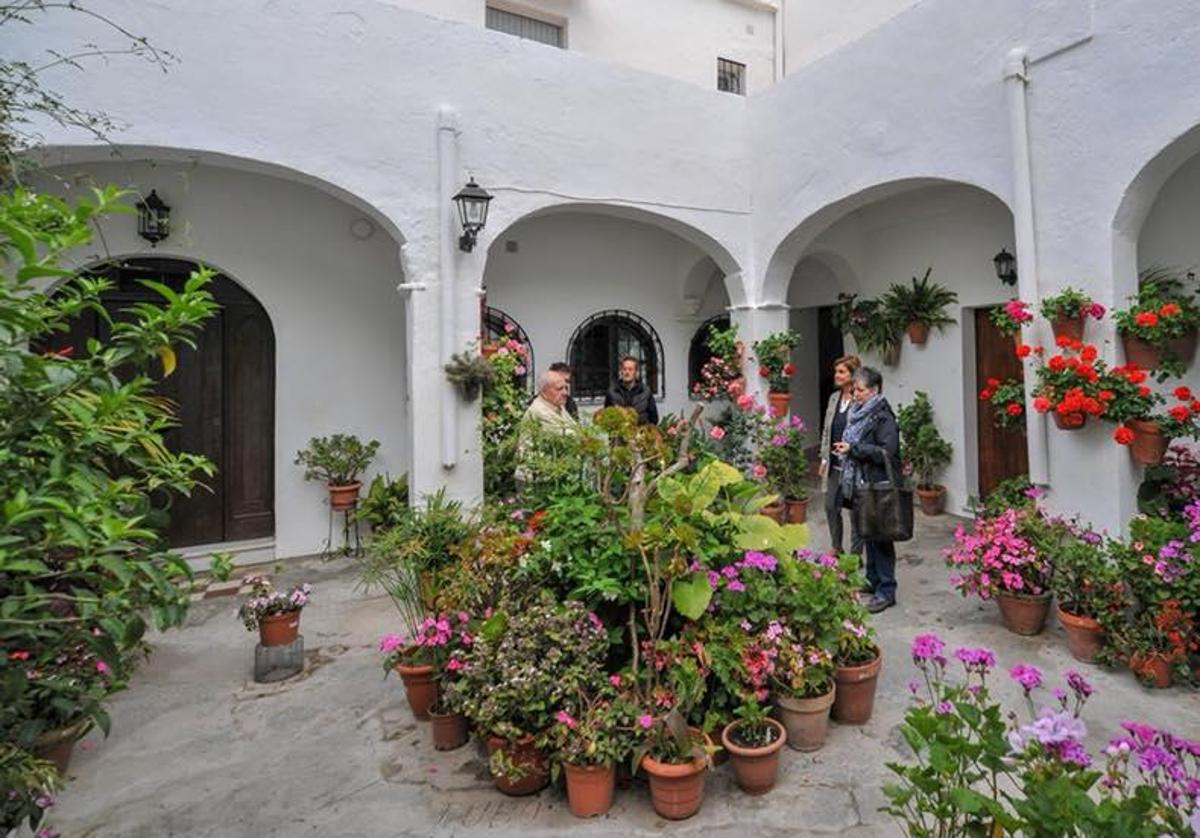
{"points": [[198, 749]]}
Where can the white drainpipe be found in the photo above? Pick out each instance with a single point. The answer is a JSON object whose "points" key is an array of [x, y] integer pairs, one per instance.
{"points": [[1016, 78], [447, 146]]}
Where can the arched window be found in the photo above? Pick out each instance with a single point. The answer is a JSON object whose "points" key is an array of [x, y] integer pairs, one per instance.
{"points": [[498, 325], [601, 341], [698, 351]]}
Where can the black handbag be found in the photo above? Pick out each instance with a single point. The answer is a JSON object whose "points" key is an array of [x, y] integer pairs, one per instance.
{"points": [[884, 511]]}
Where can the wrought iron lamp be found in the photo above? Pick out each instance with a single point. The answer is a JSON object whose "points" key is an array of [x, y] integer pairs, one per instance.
{"points": [[1006, 267], [472, 201], [154, 219]]}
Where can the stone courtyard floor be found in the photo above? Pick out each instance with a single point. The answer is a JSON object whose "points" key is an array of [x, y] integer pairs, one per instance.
{"points": [[198, 749]]}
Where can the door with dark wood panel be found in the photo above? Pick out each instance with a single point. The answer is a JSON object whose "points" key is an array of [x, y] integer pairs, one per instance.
{"points": [[224, 392], [1003, 453], [830, 347]]}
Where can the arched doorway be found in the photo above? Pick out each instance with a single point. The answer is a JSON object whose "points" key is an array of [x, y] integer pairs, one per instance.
{"points": [[224, 389]]}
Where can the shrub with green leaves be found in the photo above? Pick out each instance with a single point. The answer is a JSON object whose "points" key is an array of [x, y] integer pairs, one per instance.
{"points": [[921, 444], [337, 459]]}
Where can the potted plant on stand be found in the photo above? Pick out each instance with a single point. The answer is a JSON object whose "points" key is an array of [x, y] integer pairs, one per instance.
{"points": [[924, 450], [1068, 311], [337, 461], [1011, 317], [783, 464], [1160, 324], [920, 306], [274, 613], [775, 365]]}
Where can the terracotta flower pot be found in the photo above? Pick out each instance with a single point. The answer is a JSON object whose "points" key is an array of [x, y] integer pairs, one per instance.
{"points": [[721, 755], [1152, 668], [1085, 637], [420, 687], [590, 789], [797, 511], [1145, 355], [449, 730], [532, 762], [1070, 327], [56, 746], [1149, 444], [676, 790], [1069, 421], [806, 719], [776, 511], [854, 700], [1182, 348], [933, 500], [754, 767], [279, 629], [345, 497], [1023, 614], [779, 403], [918, 333]]}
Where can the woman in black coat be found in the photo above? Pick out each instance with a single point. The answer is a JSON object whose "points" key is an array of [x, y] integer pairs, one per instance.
{"points": [[871, 438]]}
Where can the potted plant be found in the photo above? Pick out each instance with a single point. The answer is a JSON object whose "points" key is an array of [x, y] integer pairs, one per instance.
{"points": [[437, 647], [920, 306], [754, 741], [783, 464], [385, 504], [924, 450], [470, 372], [1007, 399], [1082, 584], [775, 365], [1159, 324], [1068, 311], [998, 559], [858, 661], [337, 461], [1068, 385], [675, 758], [1147, 432], [587, 745], [275, 614], [1011, 317], [803, 693], [721, 376], [873, 326]]}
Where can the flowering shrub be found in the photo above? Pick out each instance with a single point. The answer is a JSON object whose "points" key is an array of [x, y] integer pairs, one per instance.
{"points": [[265, 601], [603, 730], [1084, 577], [1000, 554], [731, 436], [721, 376], [441, 641], [1007, 399], [1070, 303], [1169, 486], [1069, 382], [1010, 317], [774, 359], [802, 671], [781, 455], [28, 785], [1132, 399], [504, 402], [1161, 309]]}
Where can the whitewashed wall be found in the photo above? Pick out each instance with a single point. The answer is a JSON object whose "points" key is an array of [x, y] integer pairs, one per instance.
{"points": [[332, 300], [815, 28]]}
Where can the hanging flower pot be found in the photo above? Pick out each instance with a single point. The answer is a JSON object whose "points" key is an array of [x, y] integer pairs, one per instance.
{"points": [[1068, 327], [1182, 348], [1023, 614], [590, 789], [1149, 444], [933, 499], [1140, 353], [918, 333], [676, 789], [1152, 668], [779, 402], [278, 629], [806, 719], [854, 700], [344, 497], [531, 773], [1085, 637], [890, 354], [449, 729], [1069, 421], [420, 687], [755, 767], [56, 746], [797, 511]]}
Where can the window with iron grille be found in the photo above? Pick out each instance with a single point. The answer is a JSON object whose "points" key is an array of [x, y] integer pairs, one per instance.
{"points": [[601, 341], [698, 351], [731, 76], [497, 325], [523, 26]]}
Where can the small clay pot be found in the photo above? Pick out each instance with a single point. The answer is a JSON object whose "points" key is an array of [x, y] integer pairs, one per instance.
{"points": [[933, 499], [1152, 668], [854, 700], [56, 746], [918, 333], [1023, 614], [1138, 352], [676, 790], [1069, 327], [754, 767], [1085, 637], [776, 511], [449, 730], [420, 687], [806, 719], [779, 403], [278, 629], [1069, 421], [344, 497], [590, 789], [524, 754], [1149, 444], [797, 511]]}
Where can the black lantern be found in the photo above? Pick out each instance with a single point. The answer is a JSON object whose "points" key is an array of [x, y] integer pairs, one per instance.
{"points": [[472, 202], [1006, 267], [154, 219]]}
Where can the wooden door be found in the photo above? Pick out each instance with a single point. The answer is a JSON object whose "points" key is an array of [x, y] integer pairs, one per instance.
{"points": [[224, 391], [830, 347], [1003, 453]]}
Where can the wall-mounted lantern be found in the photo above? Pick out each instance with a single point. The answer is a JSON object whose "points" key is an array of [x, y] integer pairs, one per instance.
{"points": [[1006, 267], [472, 201], [154, 219]]}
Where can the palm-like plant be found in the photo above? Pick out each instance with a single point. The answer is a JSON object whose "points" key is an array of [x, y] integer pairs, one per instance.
{"points": [[921, 305]]}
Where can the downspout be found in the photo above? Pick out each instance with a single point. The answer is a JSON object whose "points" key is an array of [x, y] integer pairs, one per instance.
{"points": [[447, 156], [780, 44], [1016, 78]]}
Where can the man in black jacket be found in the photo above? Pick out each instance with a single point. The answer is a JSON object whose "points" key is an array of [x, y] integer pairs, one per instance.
{"points": [[629, 391]]}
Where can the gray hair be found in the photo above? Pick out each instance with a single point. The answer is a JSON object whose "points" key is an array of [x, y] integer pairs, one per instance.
{"points": [[548, 376], [870, 378]]}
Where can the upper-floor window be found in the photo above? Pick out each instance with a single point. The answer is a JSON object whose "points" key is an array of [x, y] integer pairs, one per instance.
{"points": [[731, 76], [523, 26]]}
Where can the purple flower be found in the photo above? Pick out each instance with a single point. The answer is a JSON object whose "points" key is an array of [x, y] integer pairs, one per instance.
{"points": [[736, 585], [927, 647], [1058, 731], [978, 658], [1078, 684], [759, 561], [729, 571], [1028, 676], [943, 708], [913, 686], [714, 579]]}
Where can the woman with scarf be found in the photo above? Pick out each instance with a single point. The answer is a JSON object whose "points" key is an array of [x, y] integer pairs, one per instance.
{"points": [[871, 435]]}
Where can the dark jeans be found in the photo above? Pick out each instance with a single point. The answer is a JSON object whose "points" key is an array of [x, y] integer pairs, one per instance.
{"points": [[881, 568], [833, 515]]}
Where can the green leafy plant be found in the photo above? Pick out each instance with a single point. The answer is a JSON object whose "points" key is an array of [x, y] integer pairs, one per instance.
{"points": [[602, 730], [774, 359], [922, 302], [470, 372], [782, 458], [336, 460], [385, 504], [1070, 303], [29, 786], [874, 327], [1007, 399], [220, 566], [921, 444], [504, 403]]}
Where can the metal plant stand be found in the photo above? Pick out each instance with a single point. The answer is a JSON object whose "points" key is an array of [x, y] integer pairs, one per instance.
{"points": [[351, 537]]}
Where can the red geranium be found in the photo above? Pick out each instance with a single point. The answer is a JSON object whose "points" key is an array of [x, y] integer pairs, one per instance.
{"points": [[764, 372], [1146, 318], [1023, 350], [1013, 409], [1169, 310], [1184, 394], [1178, 412], [1123, 435], [789, 368], [1041, 404]]}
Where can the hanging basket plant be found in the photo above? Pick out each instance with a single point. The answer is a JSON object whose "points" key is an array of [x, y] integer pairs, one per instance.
{"points": [[873, 326], [773, 353], [1010, 317], [1158, 329], [1007, 399], [920, 306], [1069, 386], [1068, 312], [470, 373]]}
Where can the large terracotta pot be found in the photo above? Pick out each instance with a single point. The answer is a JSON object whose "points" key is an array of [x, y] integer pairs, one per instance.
{"points": [[278, 629], [676, 790], [420, 687], [933, 499], [918, 333], [1182, 348], [344, 497], [754, 768], [1153, 669], [1069, 421], [1149, 444], [779, 403], [1085, 637], [1070, 327], [522, 753], [776, 511], [56, 746], [1023, 614], [449, 730], [854, 700], [806, 719], [797, 511], [589, 789], [1145, 355]]}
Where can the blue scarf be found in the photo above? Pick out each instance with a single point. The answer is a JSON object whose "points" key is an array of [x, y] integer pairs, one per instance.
{"points": [[858, 421]]}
